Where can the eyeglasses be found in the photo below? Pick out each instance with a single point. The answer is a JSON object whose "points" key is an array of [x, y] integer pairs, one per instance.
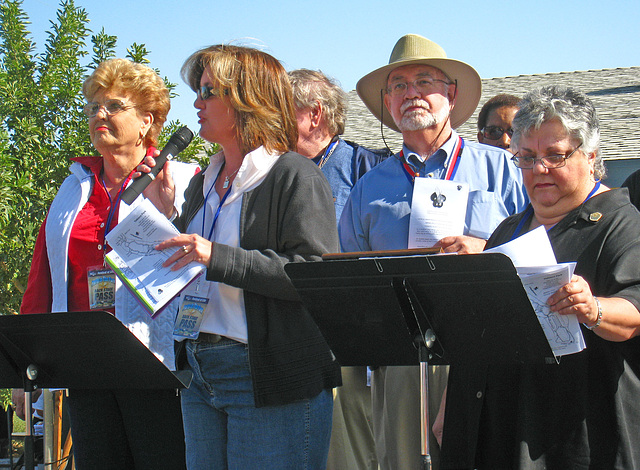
{"points": [[550, 162], [205, 92], [111, 107], [496, 132], [424, 85]]}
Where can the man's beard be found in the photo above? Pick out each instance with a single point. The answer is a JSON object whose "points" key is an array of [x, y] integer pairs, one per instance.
{"points": [[422, 118]]}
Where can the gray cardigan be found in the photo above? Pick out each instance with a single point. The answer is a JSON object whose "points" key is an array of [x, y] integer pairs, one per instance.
{"points": [[289, 217]]}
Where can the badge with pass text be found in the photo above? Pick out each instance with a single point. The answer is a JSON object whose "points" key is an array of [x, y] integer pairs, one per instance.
{"points": [[190, 316], [102, 288]]}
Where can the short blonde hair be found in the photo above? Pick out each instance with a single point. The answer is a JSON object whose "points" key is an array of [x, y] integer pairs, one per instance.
{"points": [[258, 89], [139, 83]]}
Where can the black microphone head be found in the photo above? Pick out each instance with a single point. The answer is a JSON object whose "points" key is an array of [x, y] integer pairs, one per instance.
{"points": [[181, 138], [177, 143]]}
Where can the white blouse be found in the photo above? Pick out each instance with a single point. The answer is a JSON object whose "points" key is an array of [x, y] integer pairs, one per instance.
{"points": [[225, 313]]}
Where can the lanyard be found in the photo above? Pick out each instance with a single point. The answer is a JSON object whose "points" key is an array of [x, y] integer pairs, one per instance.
{"points": [[332, 146], [529, 212], [114, 205], [217, 214], [451, 170], [112, 211]]}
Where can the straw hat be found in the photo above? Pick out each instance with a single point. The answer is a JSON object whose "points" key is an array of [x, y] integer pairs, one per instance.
{"points": [[415, 49]]}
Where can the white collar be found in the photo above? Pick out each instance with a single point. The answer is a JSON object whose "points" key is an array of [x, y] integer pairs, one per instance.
{"points": [[255, 166]]}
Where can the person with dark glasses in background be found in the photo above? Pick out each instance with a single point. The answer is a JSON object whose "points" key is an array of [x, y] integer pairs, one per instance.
{"points": [[494, 121]]}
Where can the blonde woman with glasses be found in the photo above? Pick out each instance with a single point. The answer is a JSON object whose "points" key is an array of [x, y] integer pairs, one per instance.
{"points": [[127, 105]]}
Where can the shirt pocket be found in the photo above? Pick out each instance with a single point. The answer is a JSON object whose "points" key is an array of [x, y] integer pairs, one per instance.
{"points": [[485, 211]]}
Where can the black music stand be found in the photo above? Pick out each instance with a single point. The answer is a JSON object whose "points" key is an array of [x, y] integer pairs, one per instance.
{"points": [[410, 310], [81, 350]]}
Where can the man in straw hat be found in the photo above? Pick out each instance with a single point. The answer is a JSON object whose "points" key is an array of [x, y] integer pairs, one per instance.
{"points": [[425, 96]]}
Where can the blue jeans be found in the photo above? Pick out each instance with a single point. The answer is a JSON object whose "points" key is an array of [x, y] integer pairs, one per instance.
{"points": [[225, 430]]}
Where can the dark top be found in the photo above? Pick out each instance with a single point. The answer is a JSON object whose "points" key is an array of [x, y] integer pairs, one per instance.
{"points": [[583, 413], [289, 217], [632, 183]]}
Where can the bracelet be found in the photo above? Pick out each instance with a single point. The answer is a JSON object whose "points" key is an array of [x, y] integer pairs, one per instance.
{"points": [[599, 320]]}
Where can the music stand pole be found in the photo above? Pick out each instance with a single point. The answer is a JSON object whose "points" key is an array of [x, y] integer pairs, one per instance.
{"points": [[31, 375], [424, 345], [424, 410]]}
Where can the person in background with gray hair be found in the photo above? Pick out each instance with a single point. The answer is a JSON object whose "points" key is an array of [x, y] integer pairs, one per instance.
{"points": [[582, 412], [321, 111], [494, 121]]}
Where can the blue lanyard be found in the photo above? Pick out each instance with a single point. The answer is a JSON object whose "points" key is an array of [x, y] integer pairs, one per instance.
{"points": [[217, 214], [529, 212], [114, 206], [525, 218], [327, 153], [593, 191]]}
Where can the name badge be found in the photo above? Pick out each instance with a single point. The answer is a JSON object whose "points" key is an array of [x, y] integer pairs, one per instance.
{"points": [[102, 288], [190, 316]]}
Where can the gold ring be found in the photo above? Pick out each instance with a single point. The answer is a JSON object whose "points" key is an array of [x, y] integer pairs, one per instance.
{"points": [[184, 248]]}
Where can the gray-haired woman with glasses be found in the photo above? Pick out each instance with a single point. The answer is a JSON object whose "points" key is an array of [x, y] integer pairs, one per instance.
{"points": [[583, 412]]}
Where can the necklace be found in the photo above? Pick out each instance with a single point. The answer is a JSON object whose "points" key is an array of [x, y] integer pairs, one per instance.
{"points": [[328, 152], [225, 185]]}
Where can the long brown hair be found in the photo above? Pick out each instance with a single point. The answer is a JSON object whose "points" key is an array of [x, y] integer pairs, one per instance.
{"points": [[258, 89]]}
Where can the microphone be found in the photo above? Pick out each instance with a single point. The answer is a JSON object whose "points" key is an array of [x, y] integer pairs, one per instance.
{"points": [[177, 143]]}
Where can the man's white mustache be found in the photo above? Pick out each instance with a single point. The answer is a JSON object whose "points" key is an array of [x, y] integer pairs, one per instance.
{"points": [[412, 103]]}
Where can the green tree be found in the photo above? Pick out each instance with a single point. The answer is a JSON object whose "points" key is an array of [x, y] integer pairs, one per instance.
{"points": [[42, 126]]}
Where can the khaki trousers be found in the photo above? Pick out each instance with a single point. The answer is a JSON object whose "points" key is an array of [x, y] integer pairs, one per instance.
{"points": [[352, 446], [396, 415]]}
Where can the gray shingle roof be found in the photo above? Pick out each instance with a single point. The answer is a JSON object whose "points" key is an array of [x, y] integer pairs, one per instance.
{"points": [[615, 93]]}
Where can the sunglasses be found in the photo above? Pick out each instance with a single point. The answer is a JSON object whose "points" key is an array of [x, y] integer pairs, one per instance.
{"points": [[495, 132], [206, 91]]}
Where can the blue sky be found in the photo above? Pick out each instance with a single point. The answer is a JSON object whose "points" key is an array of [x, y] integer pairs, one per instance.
{"points": [[348, 39]]}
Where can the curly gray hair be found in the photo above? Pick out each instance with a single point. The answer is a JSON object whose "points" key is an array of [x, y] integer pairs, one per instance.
{"points": [[572, 108], [311, 87]]}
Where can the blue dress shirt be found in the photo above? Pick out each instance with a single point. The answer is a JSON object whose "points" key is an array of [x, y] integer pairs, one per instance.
{"points": [[376, 216]]}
